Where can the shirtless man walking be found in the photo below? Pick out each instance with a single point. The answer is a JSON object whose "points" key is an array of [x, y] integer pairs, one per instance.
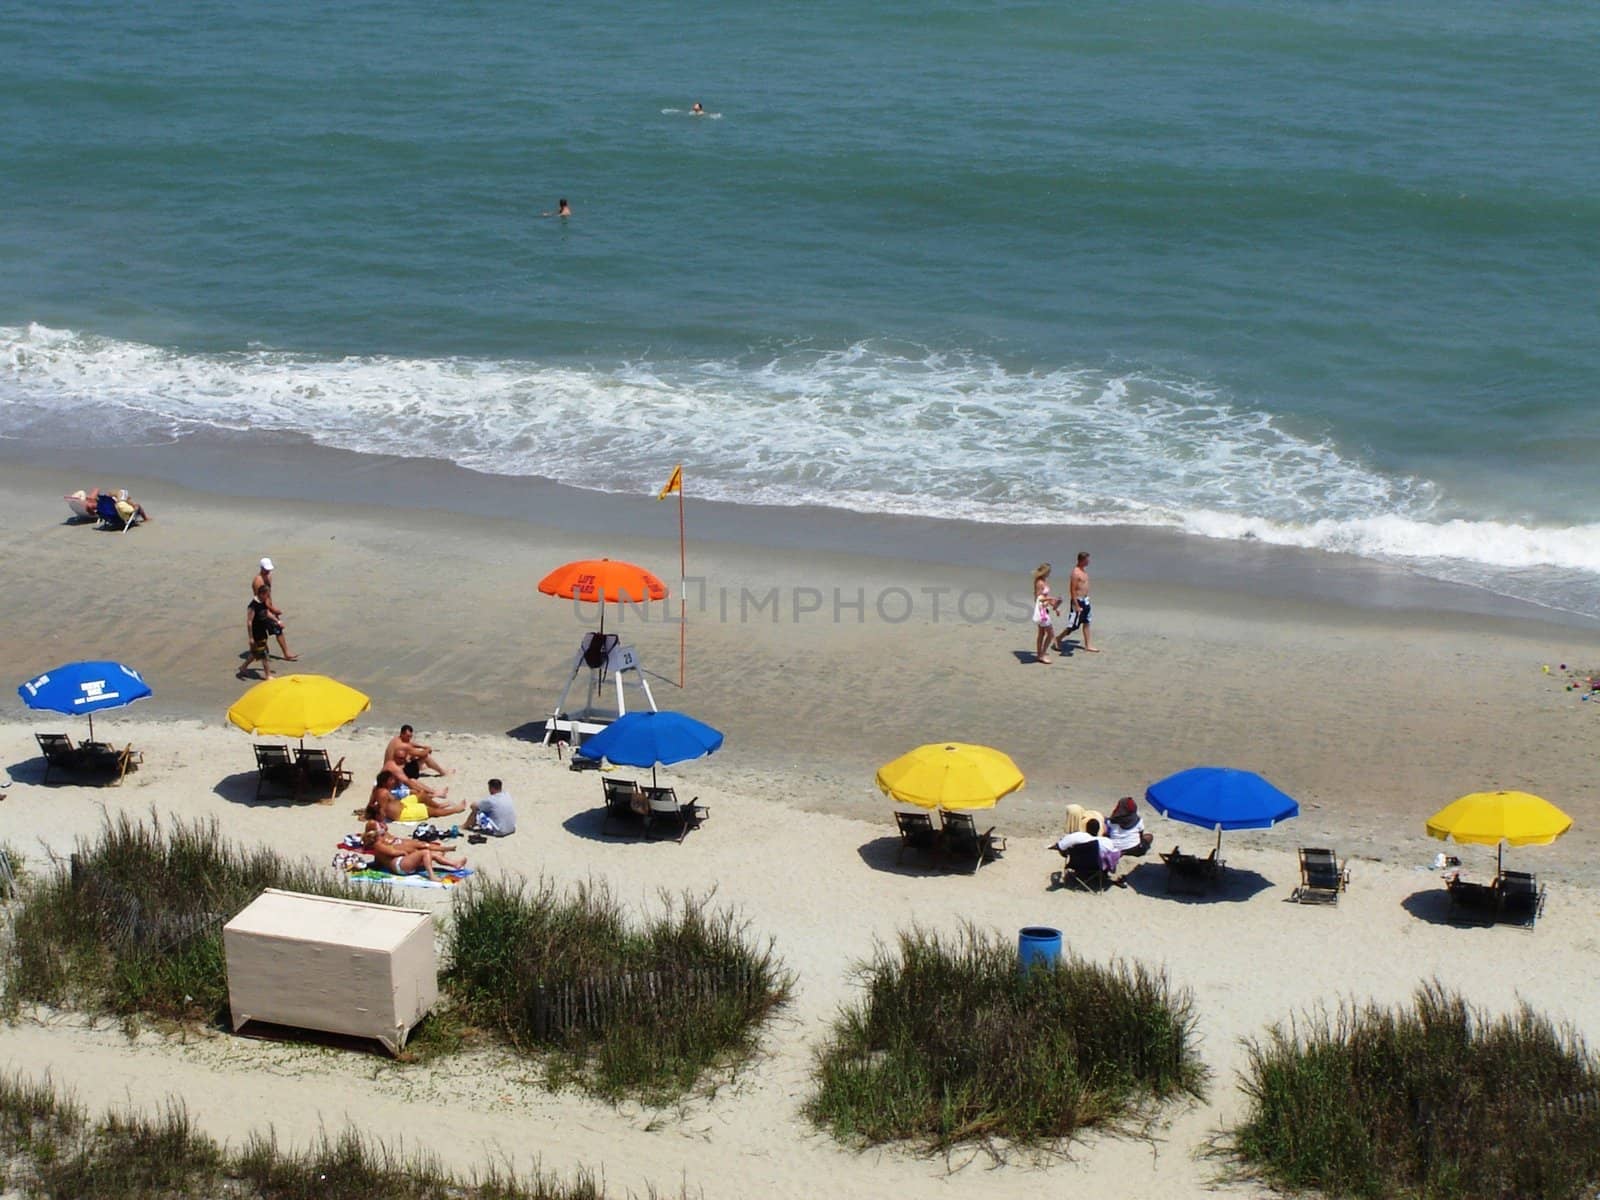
{"points": [[261, 590], [1078, 599]]}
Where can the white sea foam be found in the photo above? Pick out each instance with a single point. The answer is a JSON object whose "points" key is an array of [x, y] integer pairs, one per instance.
{"points": [[870, 427]]}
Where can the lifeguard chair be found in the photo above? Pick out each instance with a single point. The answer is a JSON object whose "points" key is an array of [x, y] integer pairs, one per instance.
{"points": [[599, 655]]}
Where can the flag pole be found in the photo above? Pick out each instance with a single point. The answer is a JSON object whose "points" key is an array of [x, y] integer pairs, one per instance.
{"points": [[683, 589]]}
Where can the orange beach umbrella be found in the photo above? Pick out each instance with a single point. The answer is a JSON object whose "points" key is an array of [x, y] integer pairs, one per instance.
{"points": [[603, 581]]}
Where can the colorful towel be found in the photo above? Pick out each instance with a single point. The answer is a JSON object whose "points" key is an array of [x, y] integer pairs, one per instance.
{"points": [[446, 878]]}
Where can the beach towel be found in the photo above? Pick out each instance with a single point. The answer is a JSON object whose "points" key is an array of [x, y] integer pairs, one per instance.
{"points": [[446, 878]]}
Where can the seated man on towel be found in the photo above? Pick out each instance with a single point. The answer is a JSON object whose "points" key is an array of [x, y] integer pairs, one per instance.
{"points": [[411, 755], [493, 815], [392, 800], [392, 854], [397, 765]]}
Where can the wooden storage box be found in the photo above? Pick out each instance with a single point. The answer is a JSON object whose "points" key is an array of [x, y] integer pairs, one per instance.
{"points": [[339, 966]]}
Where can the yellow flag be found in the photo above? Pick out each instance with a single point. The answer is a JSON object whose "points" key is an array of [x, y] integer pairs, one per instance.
{"points": [[675, 484]]}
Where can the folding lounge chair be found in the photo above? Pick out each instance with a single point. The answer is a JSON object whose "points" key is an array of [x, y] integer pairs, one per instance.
{"points": [[1322, 877], [666, 812], [59, 753], [963, 842], [275, 768], [917, 832], [1473, 901], [1521, 897], [1190, 873], [89, 759], [320, 777], [626, 804], [110, 518], [1083, 868]]}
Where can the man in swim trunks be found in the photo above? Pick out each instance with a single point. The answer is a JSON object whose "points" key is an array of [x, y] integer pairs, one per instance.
{"points": [[261, 589], [411, 754], [396, 765], [1078, 598]]}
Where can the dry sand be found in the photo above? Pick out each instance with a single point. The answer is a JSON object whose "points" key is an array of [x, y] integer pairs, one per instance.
{"points": [[1372, 718]]}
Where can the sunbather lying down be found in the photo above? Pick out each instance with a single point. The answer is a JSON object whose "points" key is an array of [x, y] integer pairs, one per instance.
{"points": [[406, 856], [393, 800]]}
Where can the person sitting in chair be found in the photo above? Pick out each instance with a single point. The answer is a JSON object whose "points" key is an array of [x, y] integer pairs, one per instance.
{"points": [[1109, 854], [1125, 829]]}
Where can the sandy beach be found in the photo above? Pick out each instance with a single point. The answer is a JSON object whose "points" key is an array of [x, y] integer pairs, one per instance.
{"points": [[1372, 716]]}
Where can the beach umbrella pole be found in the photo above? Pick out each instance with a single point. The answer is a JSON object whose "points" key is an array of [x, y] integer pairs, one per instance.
{"points": [[91, 727]]}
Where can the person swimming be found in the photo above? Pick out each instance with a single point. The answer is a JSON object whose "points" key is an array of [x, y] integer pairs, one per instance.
{"points": [[563, 209], [697, 109]]}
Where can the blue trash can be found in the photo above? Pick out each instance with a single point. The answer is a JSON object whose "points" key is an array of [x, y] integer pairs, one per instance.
{"points": [[1038, 944]]}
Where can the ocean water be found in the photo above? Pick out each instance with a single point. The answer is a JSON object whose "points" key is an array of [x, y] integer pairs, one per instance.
{"points": [[1318, 274]]}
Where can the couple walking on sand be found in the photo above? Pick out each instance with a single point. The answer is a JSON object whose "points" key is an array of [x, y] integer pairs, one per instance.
{"points": [[1047, 609]]}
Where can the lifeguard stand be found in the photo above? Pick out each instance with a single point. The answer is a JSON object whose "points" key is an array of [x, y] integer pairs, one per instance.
{"points": [[599, 654]]}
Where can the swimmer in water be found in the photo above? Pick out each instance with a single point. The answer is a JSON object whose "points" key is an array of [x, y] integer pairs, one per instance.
{"points": [[563, 209], [698, 110]]}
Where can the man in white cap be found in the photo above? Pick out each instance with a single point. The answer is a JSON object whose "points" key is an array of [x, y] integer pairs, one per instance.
{"points": [[261, 592]]}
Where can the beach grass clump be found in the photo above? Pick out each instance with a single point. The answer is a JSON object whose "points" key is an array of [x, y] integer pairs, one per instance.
{"points": [[954, 1044], [134, 924], [617, 1007], [50, 1149], [1433, 1101]]}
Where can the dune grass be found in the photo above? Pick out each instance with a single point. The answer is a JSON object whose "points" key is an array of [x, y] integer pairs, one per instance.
{"points": [[618, 1008], [135, 925], [50, 1149], [1435, 1101], [953, 1044]]}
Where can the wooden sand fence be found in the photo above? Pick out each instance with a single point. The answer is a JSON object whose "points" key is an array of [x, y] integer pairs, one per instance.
{"points": [[129, 923], [588, 1005]]}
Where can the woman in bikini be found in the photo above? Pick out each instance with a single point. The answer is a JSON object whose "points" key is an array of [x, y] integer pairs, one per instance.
{"points": [[1045, 607], [406, 856]]}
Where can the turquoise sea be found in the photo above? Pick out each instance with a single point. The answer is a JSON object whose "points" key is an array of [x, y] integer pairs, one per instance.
{"points": [[1317, 274]]}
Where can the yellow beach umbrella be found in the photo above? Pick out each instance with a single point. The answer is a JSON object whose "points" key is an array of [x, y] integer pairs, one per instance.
{"points": [[950, 775], [1495, 818], [297, 706]]}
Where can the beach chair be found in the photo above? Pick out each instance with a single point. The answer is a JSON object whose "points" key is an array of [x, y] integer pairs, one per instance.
{"points": [[88, 760], [666, 813], [59, 753], [1322, 877], [626, 805], [963, 842], [276, 768], [1083, 868], [1521, 897], [1191, 873], [320, 777], [110, 518], [1478, 902], [917, 832]]}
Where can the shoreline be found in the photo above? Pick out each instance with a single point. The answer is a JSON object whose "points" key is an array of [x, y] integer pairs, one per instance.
{"points": [[272, 467]]}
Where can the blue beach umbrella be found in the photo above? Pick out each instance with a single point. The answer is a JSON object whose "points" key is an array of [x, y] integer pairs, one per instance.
{"points": [[1221, 798], [86, 688], [651, 739]]}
